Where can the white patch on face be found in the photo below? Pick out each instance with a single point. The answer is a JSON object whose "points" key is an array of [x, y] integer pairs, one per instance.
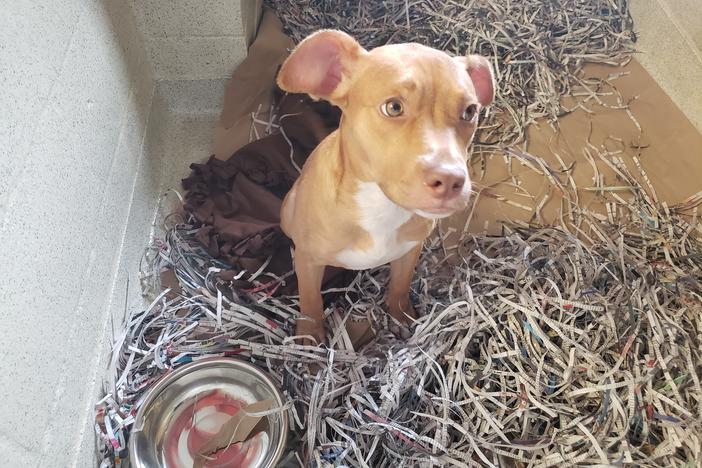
{"points": [[381, 218], [442, 142], [443, 149]]}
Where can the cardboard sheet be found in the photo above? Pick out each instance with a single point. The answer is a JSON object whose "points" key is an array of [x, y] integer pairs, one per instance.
{"points": [[672, 156], [251, 85]]}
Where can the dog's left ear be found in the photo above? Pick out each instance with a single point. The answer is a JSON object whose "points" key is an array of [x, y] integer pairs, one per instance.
{"points": [[480, 72], [321, 66]]}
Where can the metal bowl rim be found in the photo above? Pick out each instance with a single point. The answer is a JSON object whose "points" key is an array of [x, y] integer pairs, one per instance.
{"points": [[210, 362]]}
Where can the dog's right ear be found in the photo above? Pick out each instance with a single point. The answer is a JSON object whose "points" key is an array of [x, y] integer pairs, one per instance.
{"points": [[321, 66]]}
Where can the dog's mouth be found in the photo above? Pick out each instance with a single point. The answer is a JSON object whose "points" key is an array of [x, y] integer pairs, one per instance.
{"points": [[428, 208], [442, 209], [436, 213]]}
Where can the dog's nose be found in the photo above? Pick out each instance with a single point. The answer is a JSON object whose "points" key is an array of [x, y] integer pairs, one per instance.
{"points": [[445, 182]]}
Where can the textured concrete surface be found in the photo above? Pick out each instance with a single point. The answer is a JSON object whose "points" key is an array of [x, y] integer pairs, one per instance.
{"points": [[168, 18], [670, 41], [19, 454], [196, 39], [187, 139], [89, 141], [192, 97], [76, 99], [195, 58]]}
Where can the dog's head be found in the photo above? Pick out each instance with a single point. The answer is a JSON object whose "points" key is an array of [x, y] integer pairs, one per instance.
{"points": [[409, 113]]}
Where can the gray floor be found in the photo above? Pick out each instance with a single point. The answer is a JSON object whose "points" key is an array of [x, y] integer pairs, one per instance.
{"points": [[185, 139]]}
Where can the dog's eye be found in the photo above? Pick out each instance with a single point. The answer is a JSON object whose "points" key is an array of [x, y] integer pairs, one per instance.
{"points": [[392, 108], [469, 113]]}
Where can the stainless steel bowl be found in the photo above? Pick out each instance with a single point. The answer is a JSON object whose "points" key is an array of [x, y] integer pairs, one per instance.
{"points": [[171, 395]]}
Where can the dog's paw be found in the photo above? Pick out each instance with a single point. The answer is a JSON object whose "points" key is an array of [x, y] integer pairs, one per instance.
{"points": [[311, 331], [404, 312]]}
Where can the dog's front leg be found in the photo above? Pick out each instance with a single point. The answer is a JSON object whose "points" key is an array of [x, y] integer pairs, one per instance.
{"points": [[309, 282], [401, 273]]}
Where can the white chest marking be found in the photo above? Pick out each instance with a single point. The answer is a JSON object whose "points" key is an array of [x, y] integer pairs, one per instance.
{"points": [[381, 218]]}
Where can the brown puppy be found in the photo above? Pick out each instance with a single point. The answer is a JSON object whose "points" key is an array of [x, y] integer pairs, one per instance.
{"points": [[371, 191]]}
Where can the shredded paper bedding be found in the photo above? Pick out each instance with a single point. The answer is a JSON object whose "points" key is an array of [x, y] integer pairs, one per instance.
{"points": [[574, 344]]}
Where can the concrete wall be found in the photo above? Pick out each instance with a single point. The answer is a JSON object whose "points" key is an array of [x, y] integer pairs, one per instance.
{"points": [[82, 158], [193, 46], [196, 39], [670, 42], [75, 192]]}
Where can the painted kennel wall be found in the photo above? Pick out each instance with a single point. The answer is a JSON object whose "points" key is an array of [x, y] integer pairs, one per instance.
{"points": [[195, 39], [670, 41], [75, 107], [86, 88]]}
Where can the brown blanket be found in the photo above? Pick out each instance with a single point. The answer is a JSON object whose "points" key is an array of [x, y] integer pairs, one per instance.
{"points": [[236, 202]]}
